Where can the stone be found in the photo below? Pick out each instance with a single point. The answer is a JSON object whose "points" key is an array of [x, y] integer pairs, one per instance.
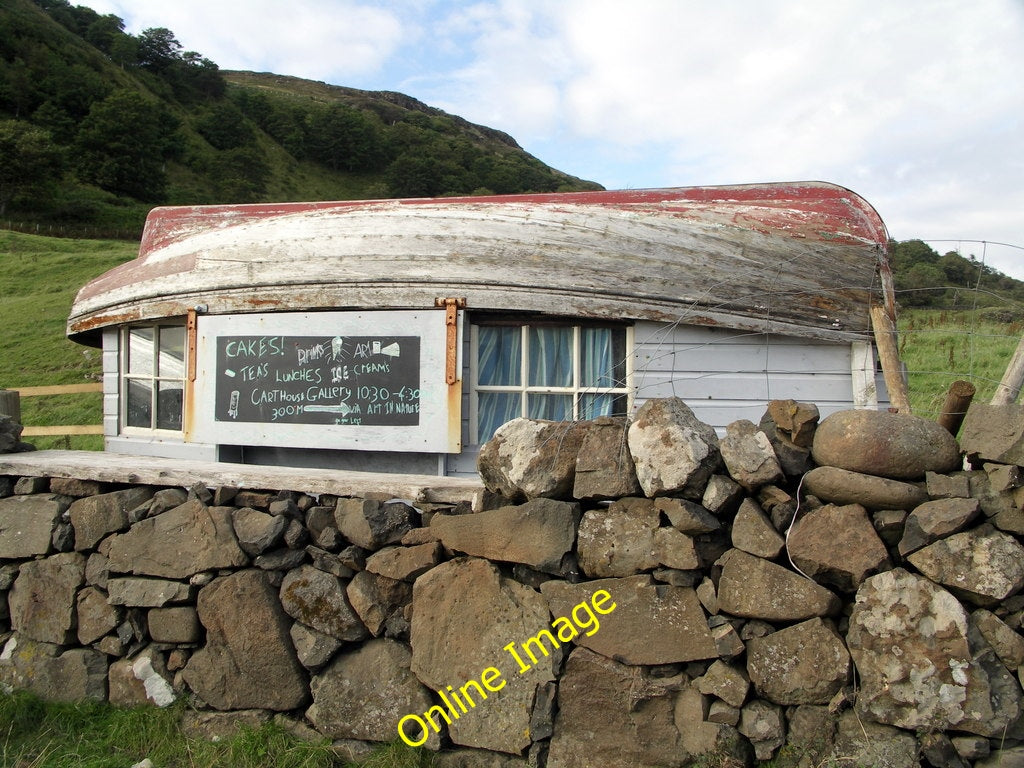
{"points": [[257, 531], [329, 562], [675, 550], [755, 588], [1011, 757], [166, 499], [280, 559], [806, 663], [720, 712], [971, 747], [538, 533], [763, 723], [675, 453], [604, 466], [232, 670], [939, 751], [94, 517], [674, 625], [373, 524], [73, 486], [147, 593], [889, 524], [365, 693], [935, 520], [862, 742], [618, 540], [615, 715], [953, 486], [405, 563], [74, 675], [531, 458], [982, 565], [753, 532], [748, 456], [722, 496], [318, 600], [838, 546], [994, 433], [95, 616], [42, 600], [27, 523], [918, 665], [175, 624], [722, 743], [811, 733], [28, 486], [894, 445], [726, 682], [376, 599], [178, 543], [687, 516], [142, 679], [797, 421], [464, 613], [313, 649], [707, 593], [841, 486], [1007, 644]]}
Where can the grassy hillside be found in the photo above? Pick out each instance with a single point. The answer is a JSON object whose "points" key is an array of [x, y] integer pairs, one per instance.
{"points": [[39, 277]]}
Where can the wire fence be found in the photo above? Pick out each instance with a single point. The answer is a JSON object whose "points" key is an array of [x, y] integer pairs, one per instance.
{"points": [[73, 231]]}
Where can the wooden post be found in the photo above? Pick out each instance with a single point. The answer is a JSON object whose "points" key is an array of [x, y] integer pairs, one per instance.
{"points": [[958, 400], [1009, 388], [10, 404], [888, 353]]}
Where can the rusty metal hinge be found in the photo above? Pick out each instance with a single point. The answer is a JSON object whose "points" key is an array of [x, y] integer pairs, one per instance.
{"points": [[451, 322]]}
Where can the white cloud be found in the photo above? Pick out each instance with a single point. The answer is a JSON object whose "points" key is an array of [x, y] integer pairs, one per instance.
{"points": [[316, 39]]}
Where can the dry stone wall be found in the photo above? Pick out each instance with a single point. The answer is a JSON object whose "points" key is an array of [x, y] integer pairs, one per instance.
{"points": [[628, 593]]}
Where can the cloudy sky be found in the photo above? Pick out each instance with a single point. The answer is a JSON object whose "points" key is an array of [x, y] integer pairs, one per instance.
{"points": [[917, 105]]}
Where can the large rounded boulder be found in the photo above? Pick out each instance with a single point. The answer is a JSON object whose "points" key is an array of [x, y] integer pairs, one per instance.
{"points": [[893, 445]]}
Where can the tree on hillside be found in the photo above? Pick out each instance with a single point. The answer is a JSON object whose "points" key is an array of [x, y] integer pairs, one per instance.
{"points": [[123, 143], [30, 160]]}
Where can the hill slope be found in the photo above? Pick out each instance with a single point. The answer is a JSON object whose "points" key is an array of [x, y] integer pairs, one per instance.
{"points": [[97, 126]]}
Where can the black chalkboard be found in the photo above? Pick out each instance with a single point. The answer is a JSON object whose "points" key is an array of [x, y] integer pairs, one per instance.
{"points": [[356, 380]]}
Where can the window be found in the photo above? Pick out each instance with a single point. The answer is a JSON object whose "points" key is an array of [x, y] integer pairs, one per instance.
{"points": [[554, 372], [152, 376]]}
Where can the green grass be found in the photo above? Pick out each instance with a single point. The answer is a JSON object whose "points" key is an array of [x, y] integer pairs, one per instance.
{"points": [[34, 734], [39, 277], [941, 346]]}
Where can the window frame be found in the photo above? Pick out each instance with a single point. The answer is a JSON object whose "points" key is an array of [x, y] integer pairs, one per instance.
{"points": [[576, 390], [154, 378]]}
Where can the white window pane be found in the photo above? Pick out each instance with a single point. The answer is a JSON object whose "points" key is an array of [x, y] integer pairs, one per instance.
{"points": [[592, 406], [550, 357], [550, 407], [140, 351], [499, 355], [494, 409], [602, 357], [139, 404], [172, 352], [168, 405]]}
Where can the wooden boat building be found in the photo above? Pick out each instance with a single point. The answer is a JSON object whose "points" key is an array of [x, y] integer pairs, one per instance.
{"points": [[398, 335]]}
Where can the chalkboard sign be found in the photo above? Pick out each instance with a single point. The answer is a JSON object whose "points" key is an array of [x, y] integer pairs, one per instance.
{"points": [[357, 380], [368, 381]]}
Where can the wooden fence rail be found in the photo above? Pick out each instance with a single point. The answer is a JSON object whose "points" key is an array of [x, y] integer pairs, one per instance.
{"points": [[62, 429]]}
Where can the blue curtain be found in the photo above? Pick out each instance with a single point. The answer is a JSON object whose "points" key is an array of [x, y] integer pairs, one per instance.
{"points": [[550, 357]]}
